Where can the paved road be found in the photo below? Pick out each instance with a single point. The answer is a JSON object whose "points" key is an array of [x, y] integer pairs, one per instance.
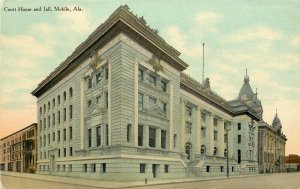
{"points": [[271, 181]]}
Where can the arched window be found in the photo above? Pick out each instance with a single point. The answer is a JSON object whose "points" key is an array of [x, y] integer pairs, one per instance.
{"points": [[58, 99], [188, 147], [215, 151], [65, 96], [71, 92], [203, 149], [53, 102]]}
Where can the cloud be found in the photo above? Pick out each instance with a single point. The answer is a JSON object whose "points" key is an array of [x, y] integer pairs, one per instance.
{"points": [[206, 21], [295, 41], [259, 32]]}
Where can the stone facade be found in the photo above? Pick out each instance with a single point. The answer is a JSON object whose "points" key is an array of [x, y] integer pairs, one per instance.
{"points": [[121, 108], [18, 150]]}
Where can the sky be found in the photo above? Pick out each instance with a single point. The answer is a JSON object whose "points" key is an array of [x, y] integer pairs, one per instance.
{"points": [[263, 37]]}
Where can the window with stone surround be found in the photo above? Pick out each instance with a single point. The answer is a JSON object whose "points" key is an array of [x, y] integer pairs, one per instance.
{"points": [[163, 139], [89, 138], [98, 136], [140, 135], [152, 80], [141, 75], [163, 86], [142, 168], [152, 137], [141, 101]]}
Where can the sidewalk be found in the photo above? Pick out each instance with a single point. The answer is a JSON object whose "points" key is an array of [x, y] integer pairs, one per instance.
{"points": [[109, 184]]}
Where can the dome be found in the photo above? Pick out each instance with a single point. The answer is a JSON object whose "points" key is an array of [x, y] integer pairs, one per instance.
{"points": [[276, 124]]}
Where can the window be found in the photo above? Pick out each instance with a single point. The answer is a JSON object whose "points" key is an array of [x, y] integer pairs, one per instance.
{"points": [[215, 151], [98, 77], [70, 133], [141, 75], [188, 147], [141, 101], [163, 139], [225, 137], [70, 168], [53, 119], [58, 117], [203, 132], [58, 136], [239, 156], [53, 102], [65, 114], [71, 151], [48, 105], [71, 92], [203, 149], [239, 139], [65, 137], [140, 135], [44, 108], [152, 101], [58, 168], [106, 73], [142, 167], [188, 127], [232, 169], [215, 135], [207, 168], [65, 152], [152, 137], [166, 168], [44, 123], [89, 138], [129, 126], [163, 86], [71, 111], [53, 136], [175, 140], [89, 80], [106, 129], [188, 111], [215, 121], [103, 167], [65, 96], [203, 117], [222, 168], [58, 99], [93, 167], [48, 121], [164, 107], [58, 152], [48, 138], [106, 99], [98, 135], [40, 111], [152, 80], [85, 168], [239, 126]]}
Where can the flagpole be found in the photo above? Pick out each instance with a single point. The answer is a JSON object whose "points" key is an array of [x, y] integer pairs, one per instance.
{"points": [[203, 66]]}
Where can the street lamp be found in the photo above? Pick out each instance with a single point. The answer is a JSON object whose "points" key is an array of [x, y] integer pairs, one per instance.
{"points": [[227, 128]]}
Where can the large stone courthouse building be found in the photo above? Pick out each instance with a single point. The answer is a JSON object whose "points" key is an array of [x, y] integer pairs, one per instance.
{"points": [[121, 108]]}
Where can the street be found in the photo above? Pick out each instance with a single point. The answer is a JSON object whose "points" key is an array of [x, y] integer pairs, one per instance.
{"points": [[272, 181]]}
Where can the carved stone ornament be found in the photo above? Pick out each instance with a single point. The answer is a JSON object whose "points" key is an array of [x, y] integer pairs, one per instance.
{"points": [[95, 58], [155, 61]]}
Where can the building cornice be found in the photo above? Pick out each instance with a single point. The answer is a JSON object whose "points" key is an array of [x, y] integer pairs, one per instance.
{"points": [[28, 127]]}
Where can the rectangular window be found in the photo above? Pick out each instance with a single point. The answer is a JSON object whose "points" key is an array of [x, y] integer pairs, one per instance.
{"points": [[142, 167], [166, 168], [65, 135], [53, 136], [140, 135], [188, 127], [163, 139], [163, 86], [89, 82], [93, 167], [106, 129], [207, 168], [85, 168], [103, 167], [239, 139], [215, 121], [188, 111], [70, 133], [58, 152], [65, 152], [98, 77], [65, 114], [129, 126], [58, 136], [106, 99], [71, 111], [141, 101], [239, 126], [215, 135], [70, 168], [152, 137], [53, 119], [232, 169], [98, 135], [64, 168], [175, 140], [44, 123], [225, 138], [106, 73], [152, 101], [164, 107], [71, 151], [48, 138], [89, 138], [222, 168], [152, 80], [58, 117], [49, 121], [203, 132], [141, 75]]}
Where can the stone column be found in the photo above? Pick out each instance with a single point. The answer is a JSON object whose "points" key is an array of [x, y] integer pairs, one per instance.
{"points": [[103, 135], [221, 144], [146, 136], [182, 124], [171, 118], [197, 131], [210, 135], [136, 98], [109, 103], [82, 102]]}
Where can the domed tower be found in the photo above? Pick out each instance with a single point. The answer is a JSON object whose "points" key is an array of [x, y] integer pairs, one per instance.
{"points": [[276, 124], [247, 96]]}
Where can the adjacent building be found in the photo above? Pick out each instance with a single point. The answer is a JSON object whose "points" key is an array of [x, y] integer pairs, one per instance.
{"points": [[18, 150], [120, 107]]}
